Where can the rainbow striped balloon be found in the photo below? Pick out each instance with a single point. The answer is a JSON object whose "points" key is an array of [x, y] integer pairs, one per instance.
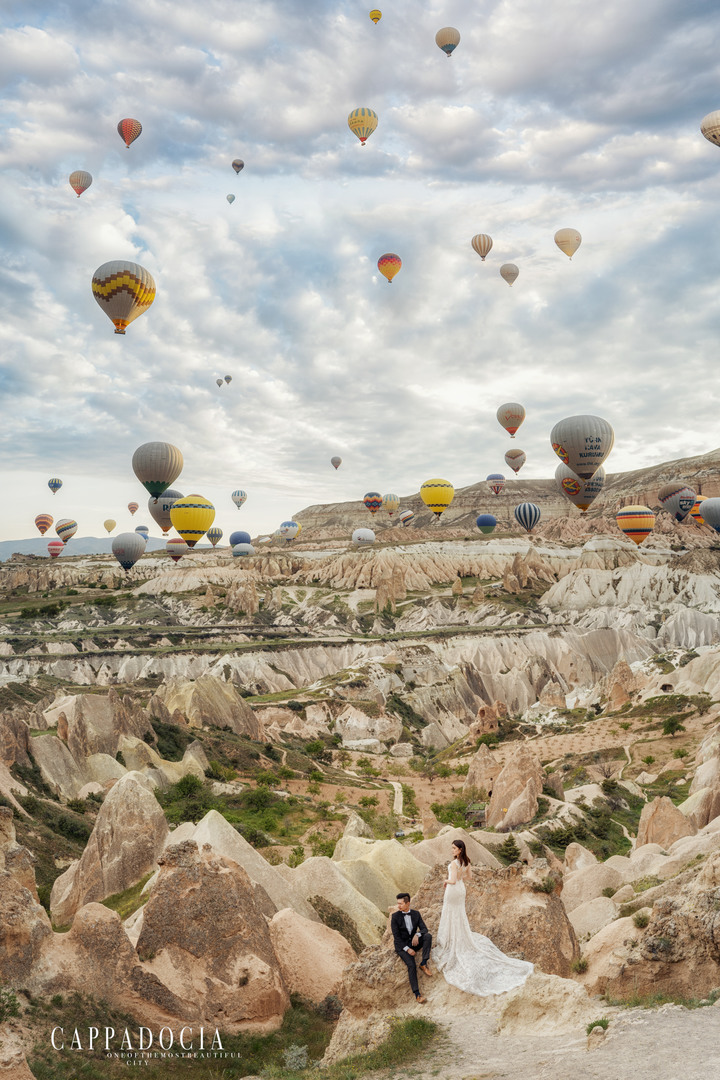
{"points": [[637, 522], [373, 501], [695, 512], [66, 529]]}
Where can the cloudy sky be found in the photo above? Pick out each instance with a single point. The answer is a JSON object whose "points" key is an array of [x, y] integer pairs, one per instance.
{"points": [[550, 113]]}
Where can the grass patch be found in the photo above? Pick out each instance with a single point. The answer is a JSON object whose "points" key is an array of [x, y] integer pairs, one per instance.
{"points": [[653, 1001], [125, 903]]}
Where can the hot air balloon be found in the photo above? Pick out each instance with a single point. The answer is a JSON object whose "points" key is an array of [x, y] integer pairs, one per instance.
{"points": [[157, 465], [289, 529], [710, 127], [636, 522], [142, 530], [583, 443], [55, 547], [677, 498], [373, 501], [192, 517], [66, 529], [124, 290], [176, 548], [406, 517], [133, 507], [510, 416], [228, 379], [376, 15], [486, 523], [265, 540], [391, 503], [515, 459], [509, 272], [389, 265], [43, 523], [239, 497], [482, 244], [239, 537], [336, 462], [527, 515], [496, 482], [243, 549], [362, 122], [710, 513], [160, 508], [214, 535], [128, 548], [580, 493], [363, 537], [238, 165], [54, 484], [447, 39], [80, 181], [128, 130], [109, 525], [568, 240], [231, 200], [437, 495], [695, 512], [219, 382]]}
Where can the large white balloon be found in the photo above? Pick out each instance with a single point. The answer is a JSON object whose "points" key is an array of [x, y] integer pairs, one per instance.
{"points": [[582, 443]]}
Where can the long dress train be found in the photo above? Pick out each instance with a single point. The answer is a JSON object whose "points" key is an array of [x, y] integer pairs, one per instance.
{"points": [[468, 960]]}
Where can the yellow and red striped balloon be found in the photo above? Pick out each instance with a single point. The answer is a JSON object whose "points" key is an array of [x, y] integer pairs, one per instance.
{"points": [[43, 523], [389, 265], [128, 130], [79, 181], [695, 512], [637, 522]]}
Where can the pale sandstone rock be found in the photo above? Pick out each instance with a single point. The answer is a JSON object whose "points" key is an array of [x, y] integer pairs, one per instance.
{"points": [[353, 725], [210, 701], [379, 869], [24, 931], [587, 884], [588, 918], [14, 740], [13, 1063], [623, 895], [128, 835], [578, 857], [484, 768], [457, 589], [242, 597], [402, 750], [58, 767], [320, 876], [16, 859], [312, 957], [546, 1005], [516, 790], [662, 823], [355, 826], [438, 850]]}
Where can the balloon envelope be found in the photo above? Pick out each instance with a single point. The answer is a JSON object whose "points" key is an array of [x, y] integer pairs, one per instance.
{"points": [[482, 243], [695, 512], [43, 523], [238, 165], [192, 517], [677, 498], [582, 443], [127, 549], [142, 530], [373, 501], [239, 497], [54, 484], [447, 39], [515, 459], [389, 265], [496, 482], [362, 122], [66, 529], [160, 508], [133, 507], [289, 529], [510, 416], [710, 513], [580, 493], [80, 181], [437, 494], [157, 465], [376, 15], [243, 549], [228, 379], [406, 517], [391, 503], [124, 290], [336, 462], [710, 127], [128, 130], [109, 524], [568, 240], [363, 537], [509, 272], [54, 548], [239, 537], [486, 523], [214, 535], [527, 515], [637, 522], [231, 200], [176, 548]]}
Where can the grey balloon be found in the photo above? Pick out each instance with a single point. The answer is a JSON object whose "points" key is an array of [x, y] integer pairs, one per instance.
{"points": [[582, 443], [160, 508], [127, 549]]}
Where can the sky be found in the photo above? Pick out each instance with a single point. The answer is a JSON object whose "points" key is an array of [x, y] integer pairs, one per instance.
{"points": [[549, 114]]}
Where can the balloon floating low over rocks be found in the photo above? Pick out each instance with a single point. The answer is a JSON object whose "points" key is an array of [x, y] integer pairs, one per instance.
{"points": [[636, 522]]}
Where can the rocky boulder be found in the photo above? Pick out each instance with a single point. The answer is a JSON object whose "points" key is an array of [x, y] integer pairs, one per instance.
{"points": [[95, 723], [587, 883], [703, 802], [355, 826], [208, 701], [24, 932], [483, 771], [14, 740], [515, 791], [319, 876], [662, 823], [14, 858], [312, 957], [128, 836], [355, 725], [379, 869], [586, 919], [438, 849], [205, 940]]}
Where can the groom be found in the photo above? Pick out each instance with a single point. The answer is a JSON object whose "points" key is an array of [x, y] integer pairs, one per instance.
{"points": [[409, 933]]}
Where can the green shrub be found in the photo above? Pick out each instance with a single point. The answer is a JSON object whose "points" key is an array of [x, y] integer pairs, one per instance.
{"points": [[368, 800], [78, 805], [547, 885], [490, 739], [609, 891], [172, 741], [508, 851], [295, 1057], [603, 1023], [580, 965], [641, 919], [452, 812], [9, 1004]]}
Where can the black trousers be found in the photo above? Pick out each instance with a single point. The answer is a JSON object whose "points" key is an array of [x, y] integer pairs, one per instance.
{"points": [[409, 961]]}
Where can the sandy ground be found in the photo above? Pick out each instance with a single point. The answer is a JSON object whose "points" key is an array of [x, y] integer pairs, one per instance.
{"points": [[669, 1043]]}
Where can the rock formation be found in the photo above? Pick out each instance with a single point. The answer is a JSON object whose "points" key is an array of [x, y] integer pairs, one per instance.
{"points": [[210, 701], [515, 791], [484, 768], [662, 823], [312, 957], [319, 876]]}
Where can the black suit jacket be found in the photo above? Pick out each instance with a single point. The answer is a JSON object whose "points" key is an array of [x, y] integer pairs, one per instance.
{"points": [[400, 935]]}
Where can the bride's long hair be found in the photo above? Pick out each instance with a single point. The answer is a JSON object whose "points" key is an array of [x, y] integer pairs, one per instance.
{"points": [[463, 856]]}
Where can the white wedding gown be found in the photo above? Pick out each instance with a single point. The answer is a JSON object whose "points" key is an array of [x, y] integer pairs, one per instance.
{"points": [[467, 960]]}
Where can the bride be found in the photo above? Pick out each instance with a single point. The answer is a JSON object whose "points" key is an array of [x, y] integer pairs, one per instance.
{"points": [[467, 960]]}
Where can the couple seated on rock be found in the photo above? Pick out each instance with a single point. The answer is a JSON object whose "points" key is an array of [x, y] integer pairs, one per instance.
{"points": [[467, 960]]}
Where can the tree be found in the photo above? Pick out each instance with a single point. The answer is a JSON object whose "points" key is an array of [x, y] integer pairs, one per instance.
{"points": [[672, 725], [508, 850]]}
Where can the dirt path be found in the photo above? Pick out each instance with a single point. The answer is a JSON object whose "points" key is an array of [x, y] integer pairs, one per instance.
{"points": [[669, 1043], [398, 799]]}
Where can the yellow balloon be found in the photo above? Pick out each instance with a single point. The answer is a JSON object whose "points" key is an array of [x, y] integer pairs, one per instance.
{"points": [[637, 522], [376, 15], [362, 122], [123, 290], [192, 517], [437, 495], [109, 525]]}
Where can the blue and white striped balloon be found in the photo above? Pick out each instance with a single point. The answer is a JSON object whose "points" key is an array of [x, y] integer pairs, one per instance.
{"points": [[527, 515]]}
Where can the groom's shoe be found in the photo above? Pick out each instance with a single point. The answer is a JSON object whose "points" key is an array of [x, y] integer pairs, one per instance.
{"points": [[420, 999], [426, 971]]}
